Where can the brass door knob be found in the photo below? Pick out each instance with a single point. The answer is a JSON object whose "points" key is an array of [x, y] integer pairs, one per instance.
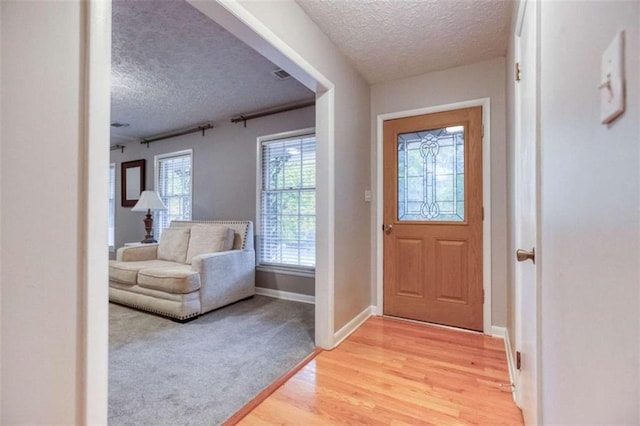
{"points": [[523, 255], [388, 228]]}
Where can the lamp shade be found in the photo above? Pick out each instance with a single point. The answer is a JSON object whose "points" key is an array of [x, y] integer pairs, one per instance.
{"points": [[149, 200]]}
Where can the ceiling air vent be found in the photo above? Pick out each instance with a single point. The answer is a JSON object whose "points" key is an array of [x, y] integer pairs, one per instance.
{"points": [[281, 74], [118, 124]]}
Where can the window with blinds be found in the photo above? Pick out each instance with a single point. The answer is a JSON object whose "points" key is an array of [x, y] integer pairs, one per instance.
{"points": [[112, 206], [288, 202], [173, 182]]}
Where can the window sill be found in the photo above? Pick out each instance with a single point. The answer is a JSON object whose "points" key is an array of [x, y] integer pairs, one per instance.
{"points": [[308, 273]]}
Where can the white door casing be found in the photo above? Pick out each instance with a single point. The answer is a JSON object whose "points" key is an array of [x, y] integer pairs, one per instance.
{"points": [[93, 406], [378, 221], [527, 384]]}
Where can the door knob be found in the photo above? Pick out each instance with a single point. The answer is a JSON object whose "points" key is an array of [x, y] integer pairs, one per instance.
{"points": [[387, 229], [523, 255]]}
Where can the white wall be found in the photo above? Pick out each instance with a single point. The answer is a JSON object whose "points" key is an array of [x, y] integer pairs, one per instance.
{"points": [[0, 221], [224, 179], [41, 212], [590, 219], [480, 80]]}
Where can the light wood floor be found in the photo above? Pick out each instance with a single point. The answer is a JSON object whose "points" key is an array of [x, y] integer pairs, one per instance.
{"points": [[392, 371]]}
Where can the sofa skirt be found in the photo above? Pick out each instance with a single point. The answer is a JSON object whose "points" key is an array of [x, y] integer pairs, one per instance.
{"points": [[178, 306]]}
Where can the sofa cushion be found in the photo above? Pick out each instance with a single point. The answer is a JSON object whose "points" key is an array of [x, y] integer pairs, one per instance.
{"points": [[137, 253], [173, 244], [209, 238], [177, 279], [127, 272]]}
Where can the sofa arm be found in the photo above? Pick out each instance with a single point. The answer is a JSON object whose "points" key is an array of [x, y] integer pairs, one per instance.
{"points": [[225, 277], [137, 253]]}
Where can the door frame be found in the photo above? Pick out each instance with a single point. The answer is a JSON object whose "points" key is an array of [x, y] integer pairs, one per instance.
{"points": [[534, 7], [485, 103], [93, 309]]}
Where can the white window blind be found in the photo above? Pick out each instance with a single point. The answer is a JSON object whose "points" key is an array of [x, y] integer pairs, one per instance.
{"points": [[174, 185], [288, 202], [112, 206]]}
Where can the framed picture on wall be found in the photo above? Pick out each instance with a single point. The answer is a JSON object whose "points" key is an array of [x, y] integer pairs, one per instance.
{"points": [[132, 177]]}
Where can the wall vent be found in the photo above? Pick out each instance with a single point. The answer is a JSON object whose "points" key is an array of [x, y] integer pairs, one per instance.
{"points": [[281, 74], [118, 124]]}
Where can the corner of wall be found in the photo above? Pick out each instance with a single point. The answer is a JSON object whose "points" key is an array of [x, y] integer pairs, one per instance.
{"points": [[1, 204]]}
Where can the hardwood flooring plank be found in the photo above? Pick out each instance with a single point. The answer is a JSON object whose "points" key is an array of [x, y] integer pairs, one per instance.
{"points": [[397, 372]]}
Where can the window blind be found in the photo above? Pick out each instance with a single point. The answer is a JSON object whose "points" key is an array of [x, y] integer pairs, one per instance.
{"points": [[112, 205], [173, 184], [288, 202]]}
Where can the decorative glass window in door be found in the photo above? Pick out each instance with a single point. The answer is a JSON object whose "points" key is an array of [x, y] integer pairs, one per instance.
{"points": [[431, 175]]}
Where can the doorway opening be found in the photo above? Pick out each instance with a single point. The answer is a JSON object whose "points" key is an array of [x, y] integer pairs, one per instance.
{"points": [[95, 300]]}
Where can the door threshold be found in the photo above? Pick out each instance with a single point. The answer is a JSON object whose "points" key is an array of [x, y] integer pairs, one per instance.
{"points": [[432, 324], [251, 405]]}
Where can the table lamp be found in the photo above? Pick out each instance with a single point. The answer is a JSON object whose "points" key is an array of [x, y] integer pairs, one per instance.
{"points": [[149, 200]]}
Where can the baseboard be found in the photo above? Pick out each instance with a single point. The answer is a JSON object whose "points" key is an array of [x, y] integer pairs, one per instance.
{"points": [[497, 331], [286, 295], [352, 325], [510, 361]]}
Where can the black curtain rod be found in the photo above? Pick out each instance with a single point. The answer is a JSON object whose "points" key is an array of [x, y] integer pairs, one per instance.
{"points": [[176, 134], [118, 146], [245, 118]]}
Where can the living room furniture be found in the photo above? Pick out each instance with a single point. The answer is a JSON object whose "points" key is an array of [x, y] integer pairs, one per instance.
{"points": [[198, 266], [149, 200]]}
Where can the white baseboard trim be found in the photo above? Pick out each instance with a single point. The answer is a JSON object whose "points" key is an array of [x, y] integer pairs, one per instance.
{"points": [[497, 331], [510, 361], [502, 333], [352, 325], [286, 295]]}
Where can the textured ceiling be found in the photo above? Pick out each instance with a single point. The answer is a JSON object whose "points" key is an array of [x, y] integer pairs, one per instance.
{"points": [[392, 39], [173, 67]]}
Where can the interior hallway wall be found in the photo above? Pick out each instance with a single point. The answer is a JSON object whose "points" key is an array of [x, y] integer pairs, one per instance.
{"points": [[590, 218], [42, 212], [480, 80], [224, 179], [0, 219]]}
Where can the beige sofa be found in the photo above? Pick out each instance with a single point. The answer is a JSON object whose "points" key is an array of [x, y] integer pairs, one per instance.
{"points": [[196, 267]]}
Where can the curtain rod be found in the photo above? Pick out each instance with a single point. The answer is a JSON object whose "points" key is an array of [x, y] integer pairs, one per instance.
{"points": [[244, 118], [176, 134], [117, 146]]}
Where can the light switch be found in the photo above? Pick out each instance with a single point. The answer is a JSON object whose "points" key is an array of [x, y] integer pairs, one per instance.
{"points": [[367, 195], [612, 84]]}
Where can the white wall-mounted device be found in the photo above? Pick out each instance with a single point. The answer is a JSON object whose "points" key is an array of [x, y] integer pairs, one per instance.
{"points": [[612, 84]]}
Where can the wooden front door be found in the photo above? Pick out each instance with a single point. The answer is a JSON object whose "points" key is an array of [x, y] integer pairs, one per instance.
{"points": [[433, 218]]}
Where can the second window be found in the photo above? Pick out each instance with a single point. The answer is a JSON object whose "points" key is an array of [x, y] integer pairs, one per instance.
{"points": [[287, 201]]}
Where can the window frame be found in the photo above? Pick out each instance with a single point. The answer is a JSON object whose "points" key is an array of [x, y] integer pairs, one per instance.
{"points": [[298, 270], [157, 232]]}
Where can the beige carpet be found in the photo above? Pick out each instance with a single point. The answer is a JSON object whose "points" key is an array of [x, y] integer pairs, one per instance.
{"points": [[202, 372]]}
